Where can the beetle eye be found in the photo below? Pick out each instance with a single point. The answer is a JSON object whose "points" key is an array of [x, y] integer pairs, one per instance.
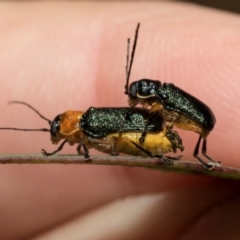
{"points": [[55, 126], [133, 90]]}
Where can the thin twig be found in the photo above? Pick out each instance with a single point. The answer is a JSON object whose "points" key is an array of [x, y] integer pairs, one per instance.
{"points": [[179, 166]]}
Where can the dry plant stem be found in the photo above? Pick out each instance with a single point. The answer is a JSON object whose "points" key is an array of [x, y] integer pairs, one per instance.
{"points": [[179, 166]]}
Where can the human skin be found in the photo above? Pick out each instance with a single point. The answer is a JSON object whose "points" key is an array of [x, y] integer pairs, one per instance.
{"points": [[60, 56]]}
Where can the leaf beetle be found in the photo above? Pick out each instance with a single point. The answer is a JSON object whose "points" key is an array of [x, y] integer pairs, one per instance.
{"points": [[111, 130], [175, 105]]}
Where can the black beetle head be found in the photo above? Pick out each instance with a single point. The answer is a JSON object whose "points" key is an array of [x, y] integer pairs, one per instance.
{"points": [[55, 126], [143, 89]]}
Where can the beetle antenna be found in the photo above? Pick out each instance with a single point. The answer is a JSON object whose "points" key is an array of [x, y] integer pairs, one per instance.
{"points": [[131, 59], [35, 110], [25, 129], [127, 62]]}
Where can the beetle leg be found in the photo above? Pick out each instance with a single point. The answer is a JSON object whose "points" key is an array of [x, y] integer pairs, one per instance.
{"points": [[132, 103], [156, 107], [79, 149], [86, 151], [45, 153], [195, 154], [204, 151], [144, 133], [166, 159]]}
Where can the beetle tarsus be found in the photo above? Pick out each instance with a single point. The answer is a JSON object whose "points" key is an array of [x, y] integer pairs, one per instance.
{"points": [[114, 154], [204, 151], [195, 154], [45, 153], [206, 165], [87, 158], [167, 160]]}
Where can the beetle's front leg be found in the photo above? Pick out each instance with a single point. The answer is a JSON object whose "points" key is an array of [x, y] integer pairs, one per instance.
{"points": [[45, 153]]}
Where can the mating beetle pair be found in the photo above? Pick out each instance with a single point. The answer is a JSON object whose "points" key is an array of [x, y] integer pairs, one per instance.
{"points": [[111, 130], [114, 130]]}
